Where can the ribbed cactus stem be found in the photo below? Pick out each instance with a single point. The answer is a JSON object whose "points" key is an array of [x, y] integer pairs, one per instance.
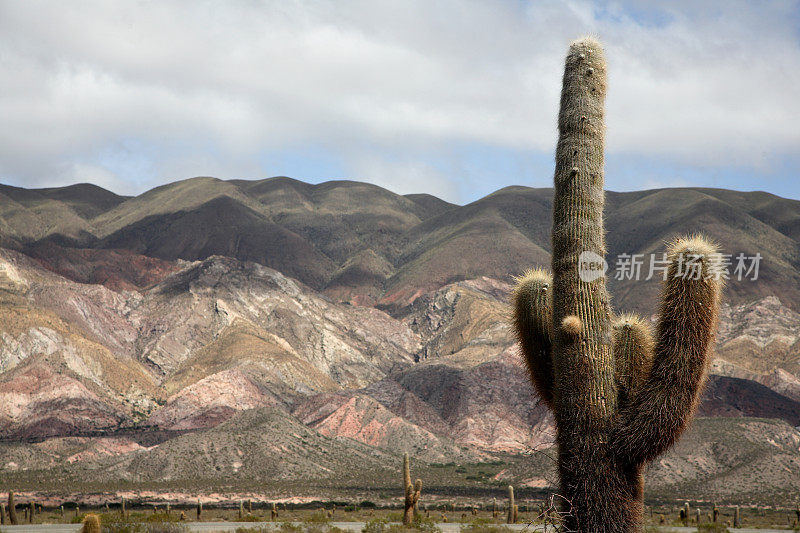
{"points": [[584, 370], [510, 516], [619, 397]]}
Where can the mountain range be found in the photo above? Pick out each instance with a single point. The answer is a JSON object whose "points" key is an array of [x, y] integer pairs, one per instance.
{"points": [[227, 333]]}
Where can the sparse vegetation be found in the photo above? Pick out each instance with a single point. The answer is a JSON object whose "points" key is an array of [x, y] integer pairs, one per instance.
{"points": [[712, 528]]}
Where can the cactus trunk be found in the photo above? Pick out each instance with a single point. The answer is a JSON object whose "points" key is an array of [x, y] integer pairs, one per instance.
{"points": [[619, 399]]}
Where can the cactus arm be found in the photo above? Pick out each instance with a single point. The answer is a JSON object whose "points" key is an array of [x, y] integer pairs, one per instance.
{"points": [[417, 492], [633, 354], [663, 406], [533, 317]]}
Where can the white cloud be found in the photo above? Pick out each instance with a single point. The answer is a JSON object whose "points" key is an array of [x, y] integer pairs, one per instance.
{"points": [[212, 85], [405, 176]]}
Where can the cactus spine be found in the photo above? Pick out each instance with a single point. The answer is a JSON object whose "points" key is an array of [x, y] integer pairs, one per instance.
{"points": [[411, 492], [619, 399]]}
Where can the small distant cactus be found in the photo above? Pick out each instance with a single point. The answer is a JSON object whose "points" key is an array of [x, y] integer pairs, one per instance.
{"points": [[274, 513], [91, 524], [249, 506], [412, 493], [2, 513], [620, 398], [737, 522], [510, 516], [241, 509], [715, 513], [494, 508], [199, 508], [122, 507], [31, 512]]}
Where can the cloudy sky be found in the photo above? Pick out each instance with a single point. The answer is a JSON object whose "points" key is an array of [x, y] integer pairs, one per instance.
{"points": [[454, 97]]}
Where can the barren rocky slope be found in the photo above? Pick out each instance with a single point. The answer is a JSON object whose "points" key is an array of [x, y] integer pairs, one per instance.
{"points": [[222, 331]]}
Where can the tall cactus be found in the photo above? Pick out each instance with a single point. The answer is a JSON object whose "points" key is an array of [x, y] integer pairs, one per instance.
{"points": [[12, 509], [619, 398], [412, 493], [510, 514]]}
